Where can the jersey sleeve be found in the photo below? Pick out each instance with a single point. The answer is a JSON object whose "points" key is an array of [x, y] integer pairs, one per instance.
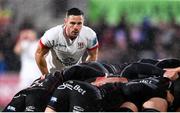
{"points": [[143, 89], [49, 38], [59, 100], [92, 40]]}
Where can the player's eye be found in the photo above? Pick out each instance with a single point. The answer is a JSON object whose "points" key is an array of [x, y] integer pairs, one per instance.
{"points": [[72, 23], [79, 23]]}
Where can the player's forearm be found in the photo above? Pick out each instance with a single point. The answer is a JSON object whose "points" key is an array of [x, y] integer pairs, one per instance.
{"points": [[92, 55], [43, 69], [42, 65], [41, 62], [91, 58], [178, 70], [40, 59]]}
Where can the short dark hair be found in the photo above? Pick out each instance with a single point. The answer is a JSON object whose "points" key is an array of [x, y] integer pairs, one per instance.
{"points": [[74, 11]]}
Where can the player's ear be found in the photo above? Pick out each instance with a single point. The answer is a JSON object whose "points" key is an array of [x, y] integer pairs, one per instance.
{"points": [[65, 20]]}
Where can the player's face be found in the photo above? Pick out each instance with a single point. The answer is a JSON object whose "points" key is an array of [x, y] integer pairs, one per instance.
{"points": [[28, 34], [73, 25]]}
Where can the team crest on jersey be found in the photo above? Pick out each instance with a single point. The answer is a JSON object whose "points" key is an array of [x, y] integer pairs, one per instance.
{"points": [[80, 45]]}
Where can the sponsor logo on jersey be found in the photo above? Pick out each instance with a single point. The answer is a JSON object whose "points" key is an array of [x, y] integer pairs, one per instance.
{"points": [[65, 85], [37, 83], [30, 108], [78, 109], [146, 81], [53, 99], [17, 96], [151, 82], [80, 45], [59, 45], [79, 89], [68, 61], [74, 87], [11, 108]]}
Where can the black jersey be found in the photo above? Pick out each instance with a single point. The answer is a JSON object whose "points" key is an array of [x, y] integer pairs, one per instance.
{"points": [[109, 69], [140, 90], [38, 94], [112, 96], [152, 86], [35, 97], [148, 61], [141, 70], [168, 63], [97, 66], [17, 104], [175, 90], [51, 81], [77, 72], [136, 91], [75, 96], [81, 72], [82, 96]]}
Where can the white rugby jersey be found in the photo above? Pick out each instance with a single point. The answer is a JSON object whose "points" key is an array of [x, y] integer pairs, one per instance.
{"points": [[65, 52]]}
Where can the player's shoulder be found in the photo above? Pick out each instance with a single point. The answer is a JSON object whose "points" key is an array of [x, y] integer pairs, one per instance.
{"points": [[87, 30], [57, 29]]}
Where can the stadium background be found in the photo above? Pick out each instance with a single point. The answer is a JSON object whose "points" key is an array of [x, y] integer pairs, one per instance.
{"points": [[128, 30]]}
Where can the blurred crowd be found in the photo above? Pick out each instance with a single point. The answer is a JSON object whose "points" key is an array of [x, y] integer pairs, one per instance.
{"points": [[6, 47], [128, 42], [120, 43], [10, 34]]}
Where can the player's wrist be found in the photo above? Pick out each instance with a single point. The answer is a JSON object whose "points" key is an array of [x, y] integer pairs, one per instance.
{"points": [[43, 76]]}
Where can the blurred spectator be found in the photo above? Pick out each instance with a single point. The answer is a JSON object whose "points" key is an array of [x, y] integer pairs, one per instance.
{"points": [[135, 37], [3, 65], [121, 34], [176, 42], [147, 34], [5, 15], [121, 39], [164, 40], [6, 47], [6, 28], [107, 38], [25, 47]]}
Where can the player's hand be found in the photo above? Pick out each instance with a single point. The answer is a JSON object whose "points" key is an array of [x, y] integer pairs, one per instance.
{"points": [[171, 73], [43, 77]]}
